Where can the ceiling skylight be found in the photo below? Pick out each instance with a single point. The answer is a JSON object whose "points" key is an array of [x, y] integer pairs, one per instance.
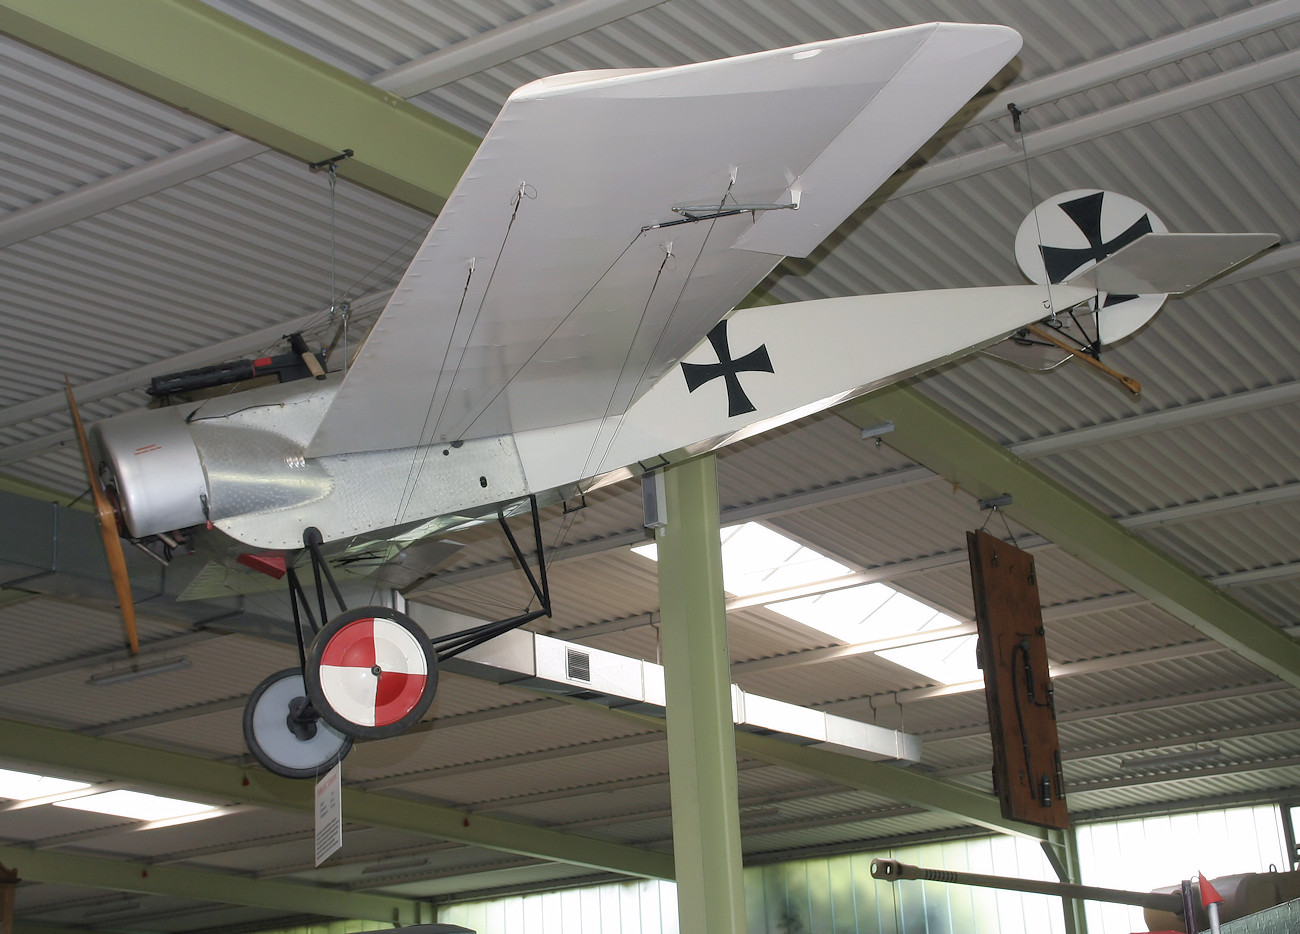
{"points": [[866, 613], [944, 661], [756, 559], [137, 805], [23, 786]]}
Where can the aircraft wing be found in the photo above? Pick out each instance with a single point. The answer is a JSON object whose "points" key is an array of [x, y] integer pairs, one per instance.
{"points": [[554, 287]]}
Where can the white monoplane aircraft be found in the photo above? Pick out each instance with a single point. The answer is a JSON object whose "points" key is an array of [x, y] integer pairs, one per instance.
{"points": [[569, 322]]}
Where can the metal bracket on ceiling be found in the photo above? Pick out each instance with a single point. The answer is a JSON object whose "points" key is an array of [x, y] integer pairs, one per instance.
{"points": [[331, 162]]}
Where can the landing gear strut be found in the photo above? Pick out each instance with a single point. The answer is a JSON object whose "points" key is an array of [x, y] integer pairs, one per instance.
{"points": [[368, 673]]}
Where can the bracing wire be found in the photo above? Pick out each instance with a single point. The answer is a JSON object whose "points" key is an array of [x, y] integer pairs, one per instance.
{"points": [[592, 459], [421, 454], [334, 294]]}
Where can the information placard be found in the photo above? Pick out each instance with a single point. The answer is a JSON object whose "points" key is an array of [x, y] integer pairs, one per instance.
{"points": [[329, 813]]}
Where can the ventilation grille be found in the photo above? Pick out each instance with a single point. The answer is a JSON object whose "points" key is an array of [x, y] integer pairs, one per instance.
{"points": [[577, 665]]}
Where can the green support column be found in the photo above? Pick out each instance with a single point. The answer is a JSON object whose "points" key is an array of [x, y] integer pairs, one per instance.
{"points": [[697, 677], [1062, 849]]}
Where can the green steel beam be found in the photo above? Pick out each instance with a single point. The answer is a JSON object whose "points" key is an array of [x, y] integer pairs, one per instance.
{"points": [[697, 683], [222, 781], [902, 784], [935, 438], [39, 927], [189, 55], [31, 490], [129, 876], [891, 781]]}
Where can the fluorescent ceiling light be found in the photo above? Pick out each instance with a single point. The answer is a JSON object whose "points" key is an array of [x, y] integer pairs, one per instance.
{"points": [[756, 559], [139, 670], [136, 805], [23, 786]]}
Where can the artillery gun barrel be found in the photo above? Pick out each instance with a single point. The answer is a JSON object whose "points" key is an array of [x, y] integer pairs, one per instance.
{"points": [[891, 870]]}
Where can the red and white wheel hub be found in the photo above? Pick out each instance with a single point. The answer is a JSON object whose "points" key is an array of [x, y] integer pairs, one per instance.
{"points": [[372, 672]]}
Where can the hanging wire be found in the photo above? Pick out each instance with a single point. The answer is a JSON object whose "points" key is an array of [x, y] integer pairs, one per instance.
{"points": [[1011, 536], [1016, 114], [334, 293]]}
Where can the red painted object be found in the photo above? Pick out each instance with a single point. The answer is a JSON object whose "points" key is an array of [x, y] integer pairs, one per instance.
{"points": [[1209, 894], [271, 565]]}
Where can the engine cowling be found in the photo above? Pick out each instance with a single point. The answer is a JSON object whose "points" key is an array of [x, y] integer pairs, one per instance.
{"points": [[155, 469]]}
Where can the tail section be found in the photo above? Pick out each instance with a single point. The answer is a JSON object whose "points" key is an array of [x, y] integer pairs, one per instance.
{"points": [[1121, 250], [1061, 238]]}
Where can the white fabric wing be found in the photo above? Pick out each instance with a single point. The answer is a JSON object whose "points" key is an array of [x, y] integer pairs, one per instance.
{"points": [[547, 292]]}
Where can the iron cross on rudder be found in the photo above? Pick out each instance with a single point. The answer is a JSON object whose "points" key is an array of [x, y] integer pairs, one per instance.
{"points": [[756, 361], [1061, 262]]}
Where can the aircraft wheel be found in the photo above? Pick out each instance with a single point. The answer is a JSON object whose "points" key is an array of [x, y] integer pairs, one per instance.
{"points": [[285, 734], [371, 672]]}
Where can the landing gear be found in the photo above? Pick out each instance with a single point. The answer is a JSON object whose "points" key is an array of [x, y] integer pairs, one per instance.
{"points": [[369, 673]]}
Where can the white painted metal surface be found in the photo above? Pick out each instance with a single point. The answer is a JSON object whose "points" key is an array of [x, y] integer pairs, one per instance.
{"points": [[766, 366], [1172, 262], [548, 290], [554, 666], [246, 471]]}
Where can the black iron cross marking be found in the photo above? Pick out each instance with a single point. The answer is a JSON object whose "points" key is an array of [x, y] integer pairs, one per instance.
{"points": [[756, 361], [1086, 214]]}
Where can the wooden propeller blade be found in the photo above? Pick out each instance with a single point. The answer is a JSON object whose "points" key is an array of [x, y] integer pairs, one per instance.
{"points": [[1127, 382], [107, 530]]}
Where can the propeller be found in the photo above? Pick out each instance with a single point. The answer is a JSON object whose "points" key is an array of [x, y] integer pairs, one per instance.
{"points": [[107, 517]]}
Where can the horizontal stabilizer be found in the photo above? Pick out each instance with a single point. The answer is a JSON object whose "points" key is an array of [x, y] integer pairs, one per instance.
{"points": [[1171, 263]]}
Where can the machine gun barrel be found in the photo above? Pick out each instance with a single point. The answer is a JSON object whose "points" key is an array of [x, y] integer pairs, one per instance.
{"points": [[891, 870], [285, 367]]}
